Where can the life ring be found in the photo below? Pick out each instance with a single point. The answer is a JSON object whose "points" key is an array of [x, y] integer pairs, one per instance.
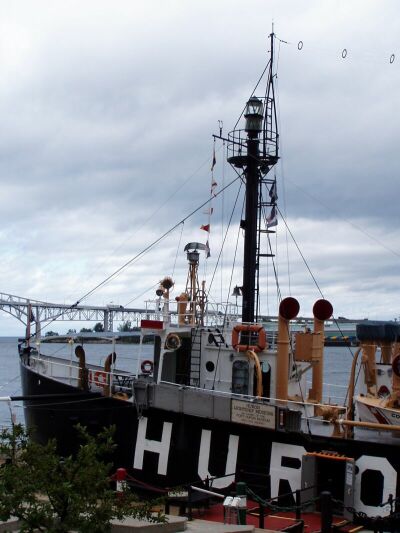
{"points": [[173, 341], [396, 365], [249, 328], [147, 366], [100, 378]]}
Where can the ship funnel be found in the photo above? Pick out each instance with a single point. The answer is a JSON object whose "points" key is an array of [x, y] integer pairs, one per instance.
{"points": [[288, 309], [322, 310]]}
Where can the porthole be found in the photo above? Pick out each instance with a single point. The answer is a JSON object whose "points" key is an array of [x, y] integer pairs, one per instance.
{"points": [[210, 366]]}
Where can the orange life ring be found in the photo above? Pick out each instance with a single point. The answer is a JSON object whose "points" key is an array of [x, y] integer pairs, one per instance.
{"points": [[250, 328], [100, 378], [147, 366]]}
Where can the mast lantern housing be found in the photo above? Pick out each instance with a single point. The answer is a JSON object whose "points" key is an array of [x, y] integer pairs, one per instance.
{"points": [[193, 256], [254, 115], [192, 252]]}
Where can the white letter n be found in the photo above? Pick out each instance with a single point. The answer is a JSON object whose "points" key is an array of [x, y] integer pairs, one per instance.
{"points": [[155, 446]]}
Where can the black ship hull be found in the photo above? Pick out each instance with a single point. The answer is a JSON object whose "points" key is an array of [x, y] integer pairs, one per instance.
{"points": [[167, 449]]}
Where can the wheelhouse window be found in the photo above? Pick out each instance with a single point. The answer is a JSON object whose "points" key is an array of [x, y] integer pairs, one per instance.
{"points": [[240, 377]]}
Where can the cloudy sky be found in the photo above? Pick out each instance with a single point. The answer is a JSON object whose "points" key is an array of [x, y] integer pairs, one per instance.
{"points": [[107, 112]]}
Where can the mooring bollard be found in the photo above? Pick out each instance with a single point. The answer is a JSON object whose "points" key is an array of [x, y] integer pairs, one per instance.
{"points": [[261, 517], [242, 503], [326, 512], [298, 504], [120, 478]]}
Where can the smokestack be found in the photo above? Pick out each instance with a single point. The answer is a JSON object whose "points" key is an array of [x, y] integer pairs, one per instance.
{"points": [[322, 310], [288, 309]]}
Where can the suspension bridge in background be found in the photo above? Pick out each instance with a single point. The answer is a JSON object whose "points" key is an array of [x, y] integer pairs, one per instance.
{"points": [[40, 314]]}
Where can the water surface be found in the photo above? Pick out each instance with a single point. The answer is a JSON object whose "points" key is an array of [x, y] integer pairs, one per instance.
{"points": [[336, 369]]}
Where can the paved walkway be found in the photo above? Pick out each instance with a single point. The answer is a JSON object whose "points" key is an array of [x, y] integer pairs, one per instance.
{"points": [[176, 524]]}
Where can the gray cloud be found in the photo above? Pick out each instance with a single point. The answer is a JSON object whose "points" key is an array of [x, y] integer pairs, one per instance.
{"points": [[106, 110]]}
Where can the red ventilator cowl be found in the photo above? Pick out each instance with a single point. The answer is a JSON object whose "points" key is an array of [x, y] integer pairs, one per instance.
{"points": [[322, 309], [289, 308]]}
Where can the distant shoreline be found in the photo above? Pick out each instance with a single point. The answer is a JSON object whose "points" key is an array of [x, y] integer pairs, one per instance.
{"points": [[64, 339], [134, 339]]}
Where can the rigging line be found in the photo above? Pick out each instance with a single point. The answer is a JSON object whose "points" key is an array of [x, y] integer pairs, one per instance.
{"points": [[152, 215], [272, 259], [281, 161], [142, 294], [150, 246], [223, 242], [305, 262], [137, 256], [300, 252], [143, 254], [279, 295], [258, 250], [233, 265], [8, 382], [252, 93], [267, 291], [234, 259], [335, 320], [315, 281], [355, 383], [73, 402], [177, 250], [222, 217], [294, 365], [375, 239], [56, 350], [278, 289], [230, 281]]}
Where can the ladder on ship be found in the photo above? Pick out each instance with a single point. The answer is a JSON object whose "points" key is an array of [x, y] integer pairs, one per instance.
{"points": [[264, 208], [195, 358]]}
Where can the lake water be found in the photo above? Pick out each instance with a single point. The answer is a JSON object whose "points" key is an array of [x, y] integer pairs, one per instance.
{"points": [[336, 369]]}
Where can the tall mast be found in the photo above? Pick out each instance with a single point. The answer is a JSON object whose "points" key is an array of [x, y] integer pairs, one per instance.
{"points": [[255, 151]]}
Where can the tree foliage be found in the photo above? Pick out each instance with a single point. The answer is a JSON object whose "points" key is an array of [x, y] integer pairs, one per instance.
{"points": [[54, 494], [98, 327], [126, 326]]}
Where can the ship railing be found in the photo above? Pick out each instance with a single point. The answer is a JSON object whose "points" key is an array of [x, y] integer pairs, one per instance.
{"points": [[168, 311], [332, 392], [68, 372], [257, 400]]}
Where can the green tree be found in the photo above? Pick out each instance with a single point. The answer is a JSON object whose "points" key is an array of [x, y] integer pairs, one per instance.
{"points": [[99, 327], [126, 326], [51, 334], [49, 493], [86, 330]]}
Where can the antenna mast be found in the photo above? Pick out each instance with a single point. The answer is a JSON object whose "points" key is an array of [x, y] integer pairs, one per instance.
{"points": [[255, 151]]}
